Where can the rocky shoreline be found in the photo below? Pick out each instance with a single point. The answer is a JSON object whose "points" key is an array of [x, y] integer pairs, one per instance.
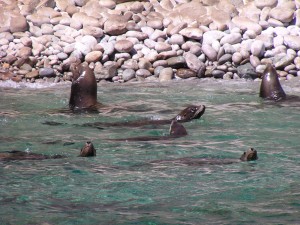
{"points": [[152, 40]]}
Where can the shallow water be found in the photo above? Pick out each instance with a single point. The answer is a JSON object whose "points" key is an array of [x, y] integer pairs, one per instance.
{"points": [[118, 186]]}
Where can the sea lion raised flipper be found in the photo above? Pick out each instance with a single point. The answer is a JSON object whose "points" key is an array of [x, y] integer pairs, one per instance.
{"points": [[270, 87], [88, 150]]}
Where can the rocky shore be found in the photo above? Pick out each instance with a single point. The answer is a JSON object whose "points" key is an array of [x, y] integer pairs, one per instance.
{"points": [[154, 40]]}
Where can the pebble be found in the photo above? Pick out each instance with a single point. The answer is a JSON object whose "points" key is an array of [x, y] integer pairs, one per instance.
{"points": [[166, 74]]}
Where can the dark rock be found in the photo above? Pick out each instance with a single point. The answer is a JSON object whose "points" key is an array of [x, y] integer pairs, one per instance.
{"points": [[218, 74], [177, 62]]}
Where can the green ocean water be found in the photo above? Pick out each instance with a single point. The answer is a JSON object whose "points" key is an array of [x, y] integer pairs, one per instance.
{"points": [[119, 186]]}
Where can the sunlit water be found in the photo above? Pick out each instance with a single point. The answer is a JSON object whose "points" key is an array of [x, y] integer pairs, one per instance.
{"points": [[118, 186]]}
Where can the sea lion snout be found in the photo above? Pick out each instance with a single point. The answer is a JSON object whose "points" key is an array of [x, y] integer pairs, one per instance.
{"points": [[191, 112]]}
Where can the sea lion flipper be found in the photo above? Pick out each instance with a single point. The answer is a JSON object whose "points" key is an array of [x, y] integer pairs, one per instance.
{"points": [[88, 150], [177, 129]]}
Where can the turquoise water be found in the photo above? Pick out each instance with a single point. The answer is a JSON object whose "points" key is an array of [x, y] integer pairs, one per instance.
{"points": [[119, 186]]}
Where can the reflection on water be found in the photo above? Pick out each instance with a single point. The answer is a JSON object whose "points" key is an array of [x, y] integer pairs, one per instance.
{"points": [[118, 186]]}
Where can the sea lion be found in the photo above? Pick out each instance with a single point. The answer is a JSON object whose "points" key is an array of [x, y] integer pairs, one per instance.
{"points": [[84, 88], [249, 155], [176, 130], [86, 151], [270, 87], [189, 113]]}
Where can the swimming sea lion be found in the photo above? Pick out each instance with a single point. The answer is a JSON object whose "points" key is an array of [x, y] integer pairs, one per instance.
{"points": [[176, 130], [84, 88], [270, 87], [189, 113], [86, 151], [249, 155]]}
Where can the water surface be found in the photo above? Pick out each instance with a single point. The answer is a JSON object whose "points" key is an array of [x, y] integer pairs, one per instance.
{"points": [[118, 186]]}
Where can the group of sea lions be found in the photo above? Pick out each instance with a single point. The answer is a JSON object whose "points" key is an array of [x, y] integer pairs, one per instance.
{"points": [[83, 97]]}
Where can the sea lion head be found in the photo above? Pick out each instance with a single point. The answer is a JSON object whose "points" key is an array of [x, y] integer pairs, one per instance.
{"points": [[177, 129], [88, 150], [189, 113], [84, 87], [249, 155], [270, 87]]}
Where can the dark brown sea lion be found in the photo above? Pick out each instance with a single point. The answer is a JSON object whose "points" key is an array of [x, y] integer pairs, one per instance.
{"points": [[84, 88], [270, 87], [176, 130], [249, 155], [189, 113], [86, 151]]}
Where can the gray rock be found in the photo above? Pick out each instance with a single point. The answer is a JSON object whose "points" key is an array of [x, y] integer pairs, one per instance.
{"points": [[128, 74], [142, 73], [225, 58], [257, 48], [46, 72], [247, 71], [105, 72], [218, 74], [232, 39], [195, 64], [209, 52]]}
